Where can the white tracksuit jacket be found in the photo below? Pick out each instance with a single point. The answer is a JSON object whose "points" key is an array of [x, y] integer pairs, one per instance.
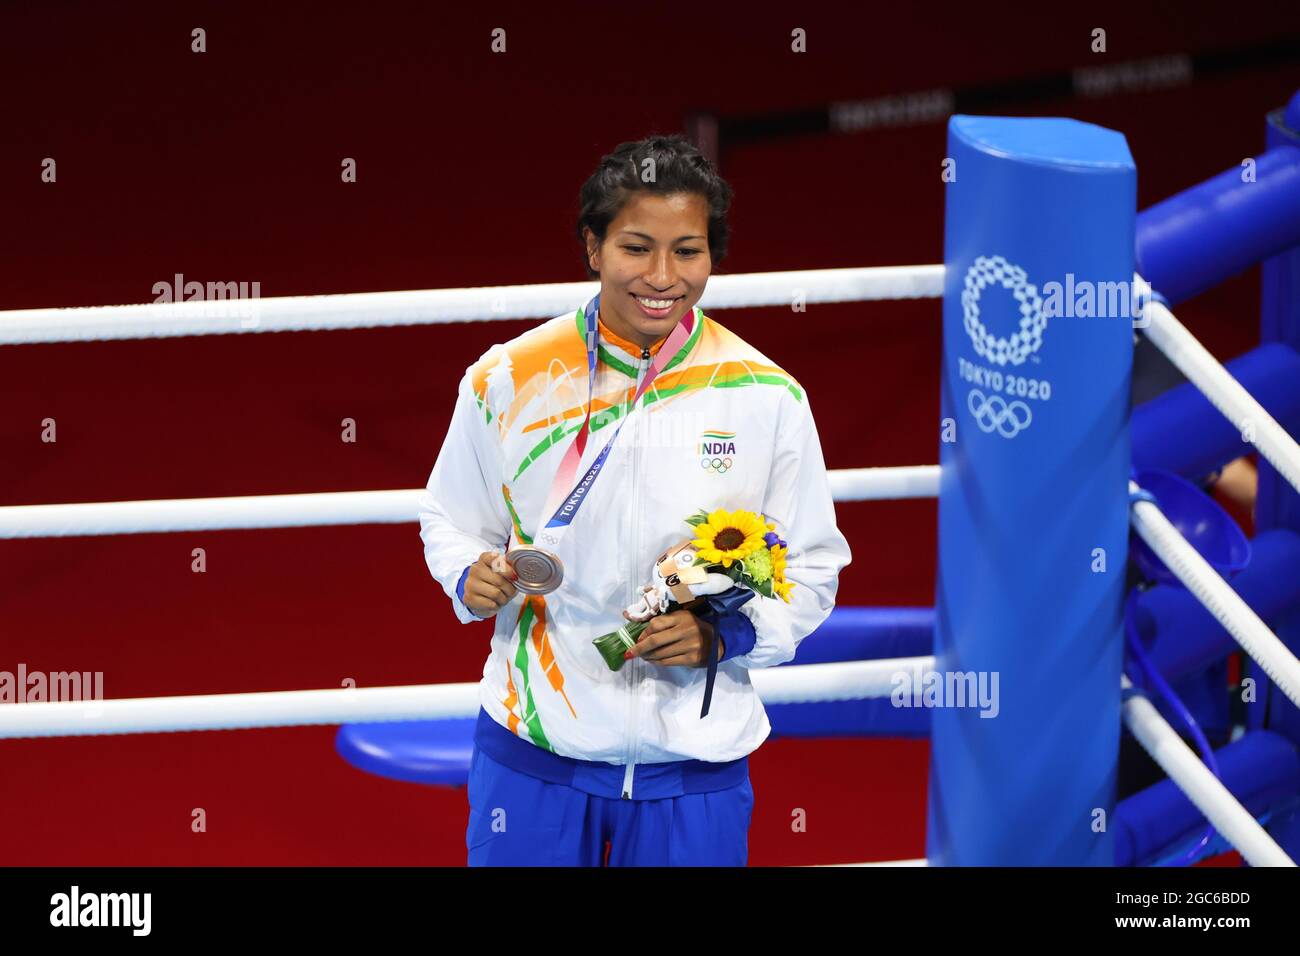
{"points": [[721, 427]]}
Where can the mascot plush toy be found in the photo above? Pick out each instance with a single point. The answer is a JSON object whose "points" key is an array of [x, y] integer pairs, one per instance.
{"points": [[679, 576], [733, 556]]}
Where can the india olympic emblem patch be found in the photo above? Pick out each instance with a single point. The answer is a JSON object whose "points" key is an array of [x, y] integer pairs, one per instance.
{"points": [[717, 451]]}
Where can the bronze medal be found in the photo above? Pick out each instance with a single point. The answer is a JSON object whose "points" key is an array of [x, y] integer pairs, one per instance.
{"points": [[539, 571]]}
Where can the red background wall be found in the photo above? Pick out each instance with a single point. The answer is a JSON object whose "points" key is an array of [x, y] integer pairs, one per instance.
{"points": [[225, 167]]}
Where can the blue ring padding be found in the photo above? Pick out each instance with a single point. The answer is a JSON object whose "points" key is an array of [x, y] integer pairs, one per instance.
{"points": [[1190, 648], [859, 634], [1182, 637], [1194, 240], [417, 751], [1277, 503], [877, 717], [869, 633], [1180, 431], [1150, 678], [1142, 495], [1261, 769], [1291, 114], [438, 751], [1274, 820]]}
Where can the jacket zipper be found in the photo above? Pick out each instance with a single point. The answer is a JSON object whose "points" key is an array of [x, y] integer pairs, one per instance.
{"points": [[635, 675]]}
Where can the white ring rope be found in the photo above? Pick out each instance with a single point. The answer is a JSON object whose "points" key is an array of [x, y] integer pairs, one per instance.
{"points": [[1206, 792], [848, 680], [921, 861], [1201, 786], [1236, 616], [357, 310], [800, 683], [209, 514], [1224, 392], [853, 680], [287, 708], [884, 484], [812, 682], [346, 507]]}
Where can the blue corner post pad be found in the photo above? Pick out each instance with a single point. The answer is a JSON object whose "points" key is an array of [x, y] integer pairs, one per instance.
{"points": [[1035, 374], [1065, 145]]}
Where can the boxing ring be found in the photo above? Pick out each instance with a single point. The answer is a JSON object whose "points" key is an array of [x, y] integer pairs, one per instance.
{"points": [[1037, 495]]}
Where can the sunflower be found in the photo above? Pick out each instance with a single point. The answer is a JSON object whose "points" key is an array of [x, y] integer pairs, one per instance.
{"points": [[779, 584], [729, 536]]}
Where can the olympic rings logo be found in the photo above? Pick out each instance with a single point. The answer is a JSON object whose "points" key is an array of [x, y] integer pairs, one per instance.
{"points": [[994, 413], [986, 271], [719, 466]]}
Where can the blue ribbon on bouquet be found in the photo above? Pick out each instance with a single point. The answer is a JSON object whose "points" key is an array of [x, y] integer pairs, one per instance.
{"points": [[718, 604]]}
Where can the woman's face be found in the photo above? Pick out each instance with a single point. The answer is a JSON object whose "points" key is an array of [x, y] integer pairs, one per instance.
{"points": [[655, 251]]}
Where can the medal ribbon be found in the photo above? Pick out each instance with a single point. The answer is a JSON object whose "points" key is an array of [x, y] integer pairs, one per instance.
{"points": [[554, 530]]}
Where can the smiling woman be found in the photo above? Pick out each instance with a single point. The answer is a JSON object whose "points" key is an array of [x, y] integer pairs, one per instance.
{"points": [[645, 751], [653, 222]]}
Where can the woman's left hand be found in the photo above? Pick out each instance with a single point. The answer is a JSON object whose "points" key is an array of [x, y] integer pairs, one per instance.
{"points": [[678, 638]]}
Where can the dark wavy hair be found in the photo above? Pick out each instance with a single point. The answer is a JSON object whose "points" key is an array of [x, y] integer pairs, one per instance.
{"points": [[679, 167]]}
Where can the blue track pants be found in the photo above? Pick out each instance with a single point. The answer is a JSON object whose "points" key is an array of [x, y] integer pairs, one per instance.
{"points": [[519, 820]]}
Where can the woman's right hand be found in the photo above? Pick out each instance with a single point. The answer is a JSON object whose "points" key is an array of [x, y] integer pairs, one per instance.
{"points": [[488, 587]]}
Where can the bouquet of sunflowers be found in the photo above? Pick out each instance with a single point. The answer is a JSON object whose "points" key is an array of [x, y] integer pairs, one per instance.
{"points": [[732, 552]]}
